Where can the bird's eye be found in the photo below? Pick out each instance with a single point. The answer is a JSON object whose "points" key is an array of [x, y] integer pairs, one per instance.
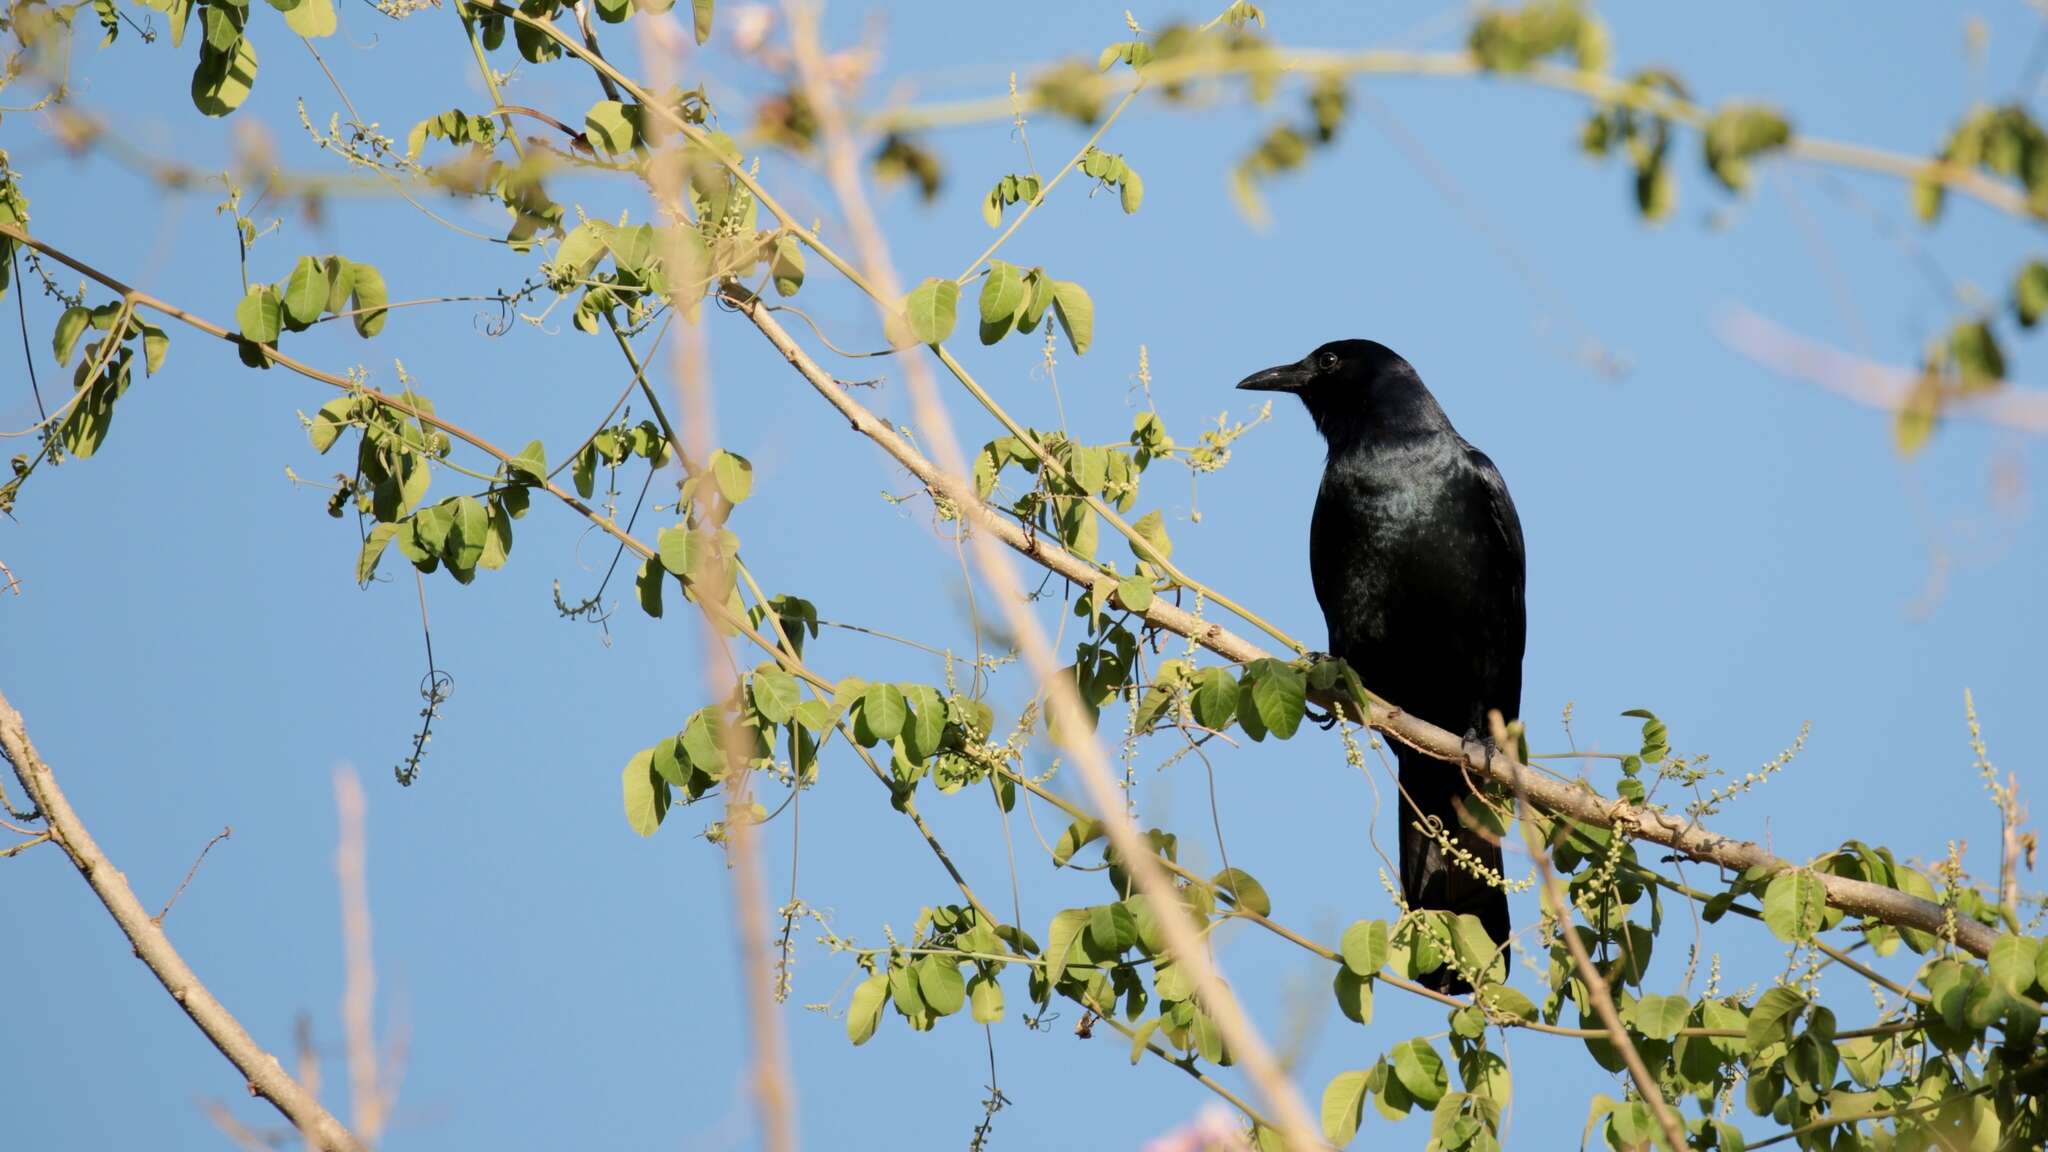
{"points": [[1326, 360]]}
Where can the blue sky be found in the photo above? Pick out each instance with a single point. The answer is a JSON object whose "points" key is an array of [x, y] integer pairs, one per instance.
{"points": [[1737, 550]]}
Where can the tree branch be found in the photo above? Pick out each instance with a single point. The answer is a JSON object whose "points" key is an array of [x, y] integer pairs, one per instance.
{"points": [[267, 1078]]}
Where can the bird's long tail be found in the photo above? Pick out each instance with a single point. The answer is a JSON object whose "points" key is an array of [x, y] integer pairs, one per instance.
{"points": [[1430, 878]]}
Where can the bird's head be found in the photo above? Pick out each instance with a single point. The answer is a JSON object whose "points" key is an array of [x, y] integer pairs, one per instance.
{"points": [[1356, 391]]}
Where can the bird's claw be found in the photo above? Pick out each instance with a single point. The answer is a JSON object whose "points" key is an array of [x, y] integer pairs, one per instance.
{"points": [[1474, 744], [1322, 719]]}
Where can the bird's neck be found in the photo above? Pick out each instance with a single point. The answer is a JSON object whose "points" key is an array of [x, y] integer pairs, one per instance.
{"points": [[1353, 430]]}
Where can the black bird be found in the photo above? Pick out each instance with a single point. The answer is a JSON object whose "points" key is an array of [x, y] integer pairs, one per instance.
{"points": [[1418, 564]]}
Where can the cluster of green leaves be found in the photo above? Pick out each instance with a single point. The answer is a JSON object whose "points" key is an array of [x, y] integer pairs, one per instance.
{"points": [[1968, 359], [1286, 147], [722, 245], [2005, 141], [1111, 170], [394, 463], [1011, 189], [1016, 299], [614, 446], [102, 375], [903, 157], [474, 171], [463, 129], [1058, 503], [1736, 134], [227, 60], [1413, 1075], [13, 212], [922, 979], [701, 546], [1071, 89], [925, 732], [1644, 135], [537, 48], [1518, 39], [316, 287]]}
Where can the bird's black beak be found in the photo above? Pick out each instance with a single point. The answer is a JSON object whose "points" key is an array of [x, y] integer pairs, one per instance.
{"points": [[1286, 378]]}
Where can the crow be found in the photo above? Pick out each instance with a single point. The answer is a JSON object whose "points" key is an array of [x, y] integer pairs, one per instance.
{"points": [[1417, 558]]}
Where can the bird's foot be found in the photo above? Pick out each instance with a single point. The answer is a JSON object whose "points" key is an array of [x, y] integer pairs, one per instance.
{"points": [[1475, 744], [1320, 718]]}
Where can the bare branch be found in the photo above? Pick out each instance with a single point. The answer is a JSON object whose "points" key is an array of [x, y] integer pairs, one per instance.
{"points": [[1882, 386], [267, 1078], [367, 1089]]}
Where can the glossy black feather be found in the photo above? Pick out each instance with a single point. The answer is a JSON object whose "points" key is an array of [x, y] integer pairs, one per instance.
{"points": [[1418, 562]]}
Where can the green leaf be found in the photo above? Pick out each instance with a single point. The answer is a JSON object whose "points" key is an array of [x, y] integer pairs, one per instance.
{"points": [[1076, 312], [224, 76], [367, 298], [1660, 1017], [1354, 996], [1003, 296], [311, 18], [938, 979], [471, 525], [646, 793], [700, 19], [1130, 190], [1365, 947], [69, 326], [531, 464], [928, 312], [1134, 593], [882, 713], [1059, 941], [1421, 1071], [776, 695], [1771, 1020], [2030, 293], [1793, 905], [608, 129], [155, 344], [1343, 1105], [1510, 1002], [1214, 700], [632, 249], [1041, 299], [1078, 528], [1248, 893], [733, 474], [786, 264], [2013, 961], [1151, 528], [259, 315], [648, 584], [865, 1012], [582, 248], [1078, 835], [985, 997], [1280, 696], [373, 549]]}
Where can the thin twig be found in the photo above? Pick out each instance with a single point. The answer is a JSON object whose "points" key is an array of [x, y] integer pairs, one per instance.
{"points": [[225, 832], [266, 1077]]}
